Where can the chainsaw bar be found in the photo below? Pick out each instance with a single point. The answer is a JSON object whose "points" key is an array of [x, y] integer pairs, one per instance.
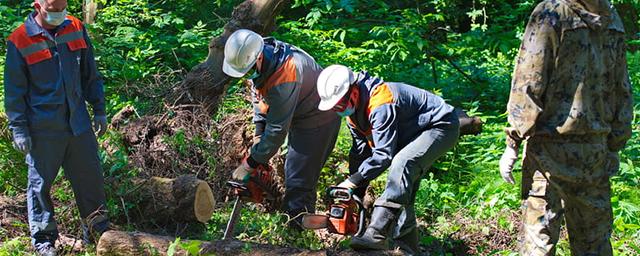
{"points": [[315, 221]]}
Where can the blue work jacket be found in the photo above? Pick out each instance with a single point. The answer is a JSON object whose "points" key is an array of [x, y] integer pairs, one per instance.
{"points": [[48, 78], [388, 117]]}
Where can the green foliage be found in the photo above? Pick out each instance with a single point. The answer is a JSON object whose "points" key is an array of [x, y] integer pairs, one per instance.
{"points": [[15, 247], [463, 50]]}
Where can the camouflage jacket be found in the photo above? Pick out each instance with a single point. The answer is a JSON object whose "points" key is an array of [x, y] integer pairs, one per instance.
{"points": [[571, 76]]}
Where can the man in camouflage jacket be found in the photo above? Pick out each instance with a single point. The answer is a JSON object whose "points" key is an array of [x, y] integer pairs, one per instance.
{"points": [[571, 101]]}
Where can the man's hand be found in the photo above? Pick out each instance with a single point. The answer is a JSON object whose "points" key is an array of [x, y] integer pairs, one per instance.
{"points": [[242, 172], [256, 139], [22, 143], [347, 184], [509, 158], [100, 125]]}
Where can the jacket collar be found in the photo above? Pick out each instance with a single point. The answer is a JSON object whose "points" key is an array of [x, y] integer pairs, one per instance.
{"points": [[33, 28], [274, 54]]}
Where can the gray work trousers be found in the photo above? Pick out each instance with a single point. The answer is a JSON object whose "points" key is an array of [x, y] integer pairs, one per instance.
{"points": [[308, 150], [78, 155], [407, 168]]}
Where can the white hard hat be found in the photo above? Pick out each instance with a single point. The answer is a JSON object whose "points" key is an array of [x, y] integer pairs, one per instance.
{"points": [[333, 84], [241, 52]]}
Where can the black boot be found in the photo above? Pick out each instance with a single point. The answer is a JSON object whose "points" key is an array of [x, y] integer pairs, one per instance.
{"points": [[409, 243], [46, 249], [375, 237]]}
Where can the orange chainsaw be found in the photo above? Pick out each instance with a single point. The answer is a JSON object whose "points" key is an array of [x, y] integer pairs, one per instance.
{"points": [[260, 189], [345, 216]]}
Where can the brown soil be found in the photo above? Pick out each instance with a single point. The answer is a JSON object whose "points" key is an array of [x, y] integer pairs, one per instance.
{"points": [[13, 216]]}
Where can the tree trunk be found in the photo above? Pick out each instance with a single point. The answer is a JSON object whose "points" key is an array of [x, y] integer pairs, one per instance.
{"points": [[116, 243], [182, 200], [206, 84], [89, 8]]}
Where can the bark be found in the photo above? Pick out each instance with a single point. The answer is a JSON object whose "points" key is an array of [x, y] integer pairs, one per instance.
{"points": [[206, 84], [165, 201], [116, 243], [89, 8]]}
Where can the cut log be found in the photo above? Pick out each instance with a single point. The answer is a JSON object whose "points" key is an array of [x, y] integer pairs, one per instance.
{"points": [[163, 201], [116, 243]]}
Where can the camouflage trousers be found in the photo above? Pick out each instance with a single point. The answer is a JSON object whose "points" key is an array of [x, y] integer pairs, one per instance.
{"points": [[567, 179]]}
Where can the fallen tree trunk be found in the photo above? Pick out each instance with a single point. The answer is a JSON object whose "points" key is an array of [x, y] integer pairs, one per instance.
{"points": [[163, 201], [113, 243], [206, 84], [117, 243]]}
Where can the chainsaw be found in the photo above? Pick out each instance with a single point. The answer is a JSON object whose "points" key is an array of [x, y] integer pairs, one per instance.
{"points": [[259, 189], [345, 216]]}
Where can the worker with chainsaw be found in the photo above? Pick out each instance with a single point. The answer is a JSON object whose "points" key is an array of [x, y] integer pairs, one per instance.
{"points": [[50, 72], [571, 101], [395, 126], [285, 104]]}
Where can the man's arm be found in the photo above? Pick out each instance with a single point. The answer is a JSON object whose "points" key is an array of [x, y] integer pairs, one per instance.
{"points": [[92, 83], [282, 100], [359, 151], [532, 72], [16, 85], [384, 125]]}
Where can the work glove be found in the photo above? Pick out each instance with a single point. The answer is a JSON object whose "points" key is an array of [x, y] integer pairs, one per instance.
{"points": [[347, 184], [100, 125], [243, 172], [22, 143], [256, 139], [508, 159]]}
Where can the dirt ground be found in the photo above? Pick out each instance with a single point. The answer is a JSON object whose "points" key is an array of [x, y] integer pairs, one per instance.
{"points": [[185, 140]]}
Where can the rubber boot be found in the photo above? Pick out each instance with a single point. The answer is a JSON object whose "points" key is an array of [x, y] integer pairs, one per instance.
{"points": [[409, 243], [379, 230]]}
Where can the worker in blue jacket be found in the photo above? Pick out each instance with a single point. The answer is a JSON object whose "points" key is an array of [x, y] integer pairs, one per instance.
{"points": [[285, 106], [50, 72], [394, 126]]}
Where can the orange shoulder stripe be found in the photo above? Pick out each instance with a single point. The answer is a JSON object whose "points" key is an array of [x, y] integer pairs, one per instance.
{"points": [[33, 49], [20, 39], [285, 74], [381, 95], [75, 32]]}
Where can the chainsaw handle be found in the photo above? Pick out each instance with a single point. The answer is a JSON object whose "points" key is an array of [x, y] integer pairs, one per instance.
{"points": [[340, 193], [361, 212]]}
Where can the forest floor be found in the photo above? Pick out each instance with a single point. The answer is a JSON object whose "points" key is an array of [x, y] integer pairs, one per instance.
{"points": [[152, 154]]}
